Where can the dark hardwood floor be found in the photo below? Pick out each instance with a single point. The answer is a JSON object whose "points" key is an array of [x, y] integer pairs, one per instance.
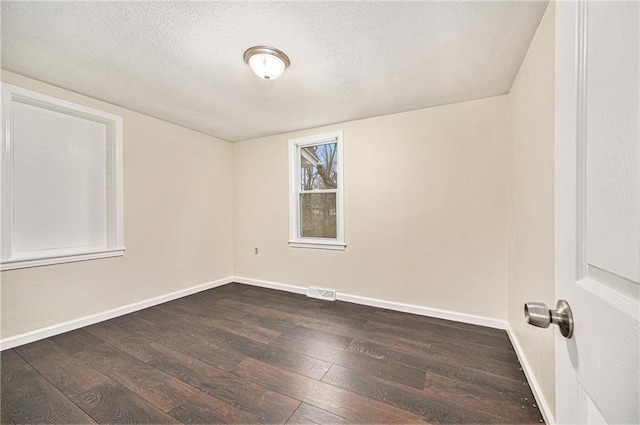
{"points": [[240, 354]]}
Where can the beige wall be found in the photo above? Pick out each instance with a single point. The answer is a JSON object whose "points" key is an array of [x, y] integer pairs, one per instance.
{"points": [[531, 201], [425, 207], [178, 226]]}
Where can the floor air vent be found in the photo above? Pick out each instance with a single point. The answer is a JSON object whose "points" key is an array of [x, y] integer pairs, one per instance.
{"points": [[321, 294]]}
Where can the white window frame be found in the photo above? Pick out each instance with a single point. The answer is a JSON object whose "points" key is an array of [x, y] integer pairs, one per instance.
{"points": [[114, 229], [295, 240]]}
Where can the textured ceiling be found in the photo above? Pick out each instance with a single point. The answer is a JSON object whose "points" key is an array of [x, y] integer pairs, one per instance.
{"points": [[182, 61]]}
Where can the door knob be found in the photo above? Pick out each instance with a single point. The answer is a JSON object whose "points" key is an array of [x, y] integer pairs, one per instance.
{"points": [[538, 314]]}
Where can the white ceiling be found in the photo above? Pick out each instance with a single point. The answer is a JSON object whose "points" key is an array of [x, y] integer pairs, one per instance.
{"points": [[182, 61]]}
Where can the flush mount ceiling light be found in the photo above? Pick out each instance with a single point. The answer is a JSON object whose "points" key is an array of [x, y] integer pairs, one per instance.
{"points": [[266, 62]]}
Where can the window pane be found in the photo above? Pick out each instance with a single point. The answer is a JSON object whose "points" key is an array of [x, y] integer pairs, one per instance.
{"points": [[59, 180], [318, 215], [319, 167]]}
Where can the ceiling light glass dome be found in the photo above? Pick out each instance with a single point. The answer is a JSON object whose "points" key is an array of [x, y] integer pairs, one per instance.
{"points": [[267, 63]]}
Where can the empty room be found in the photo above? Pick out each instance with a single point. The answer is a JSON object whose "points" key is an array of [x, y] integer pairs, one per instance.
{"points": [[320, 212]]}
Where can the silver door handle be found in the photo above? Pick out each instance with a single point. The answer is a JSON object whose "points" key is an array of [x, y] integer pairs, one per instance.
{"points": [[538, 314]]}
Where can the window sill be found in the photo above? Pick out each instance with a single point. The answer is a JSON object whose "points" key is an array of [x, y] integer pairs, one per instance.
{"points": [[335, 246], [23, 263]]}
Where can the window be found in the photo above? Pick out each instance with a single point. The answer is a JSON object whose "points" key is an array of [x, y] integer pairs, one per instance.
{"points": [[316, 201], [61, 181]]}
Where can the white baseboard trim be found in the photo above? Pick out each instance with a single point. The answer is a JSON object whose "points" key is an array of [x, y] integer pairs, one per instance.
{"points": [[533, 382], [389, 305], [271, 285], [49, 331], [424, 311]]}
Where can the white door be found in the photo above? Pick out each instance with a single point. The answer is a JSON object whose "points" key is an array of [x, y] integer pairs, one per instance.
{"points": [[598, 210]]}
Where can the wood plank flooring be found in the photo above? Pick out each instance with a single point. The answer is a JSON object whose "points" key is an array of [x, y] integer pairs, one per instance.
{"points": [[240, 354]]}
